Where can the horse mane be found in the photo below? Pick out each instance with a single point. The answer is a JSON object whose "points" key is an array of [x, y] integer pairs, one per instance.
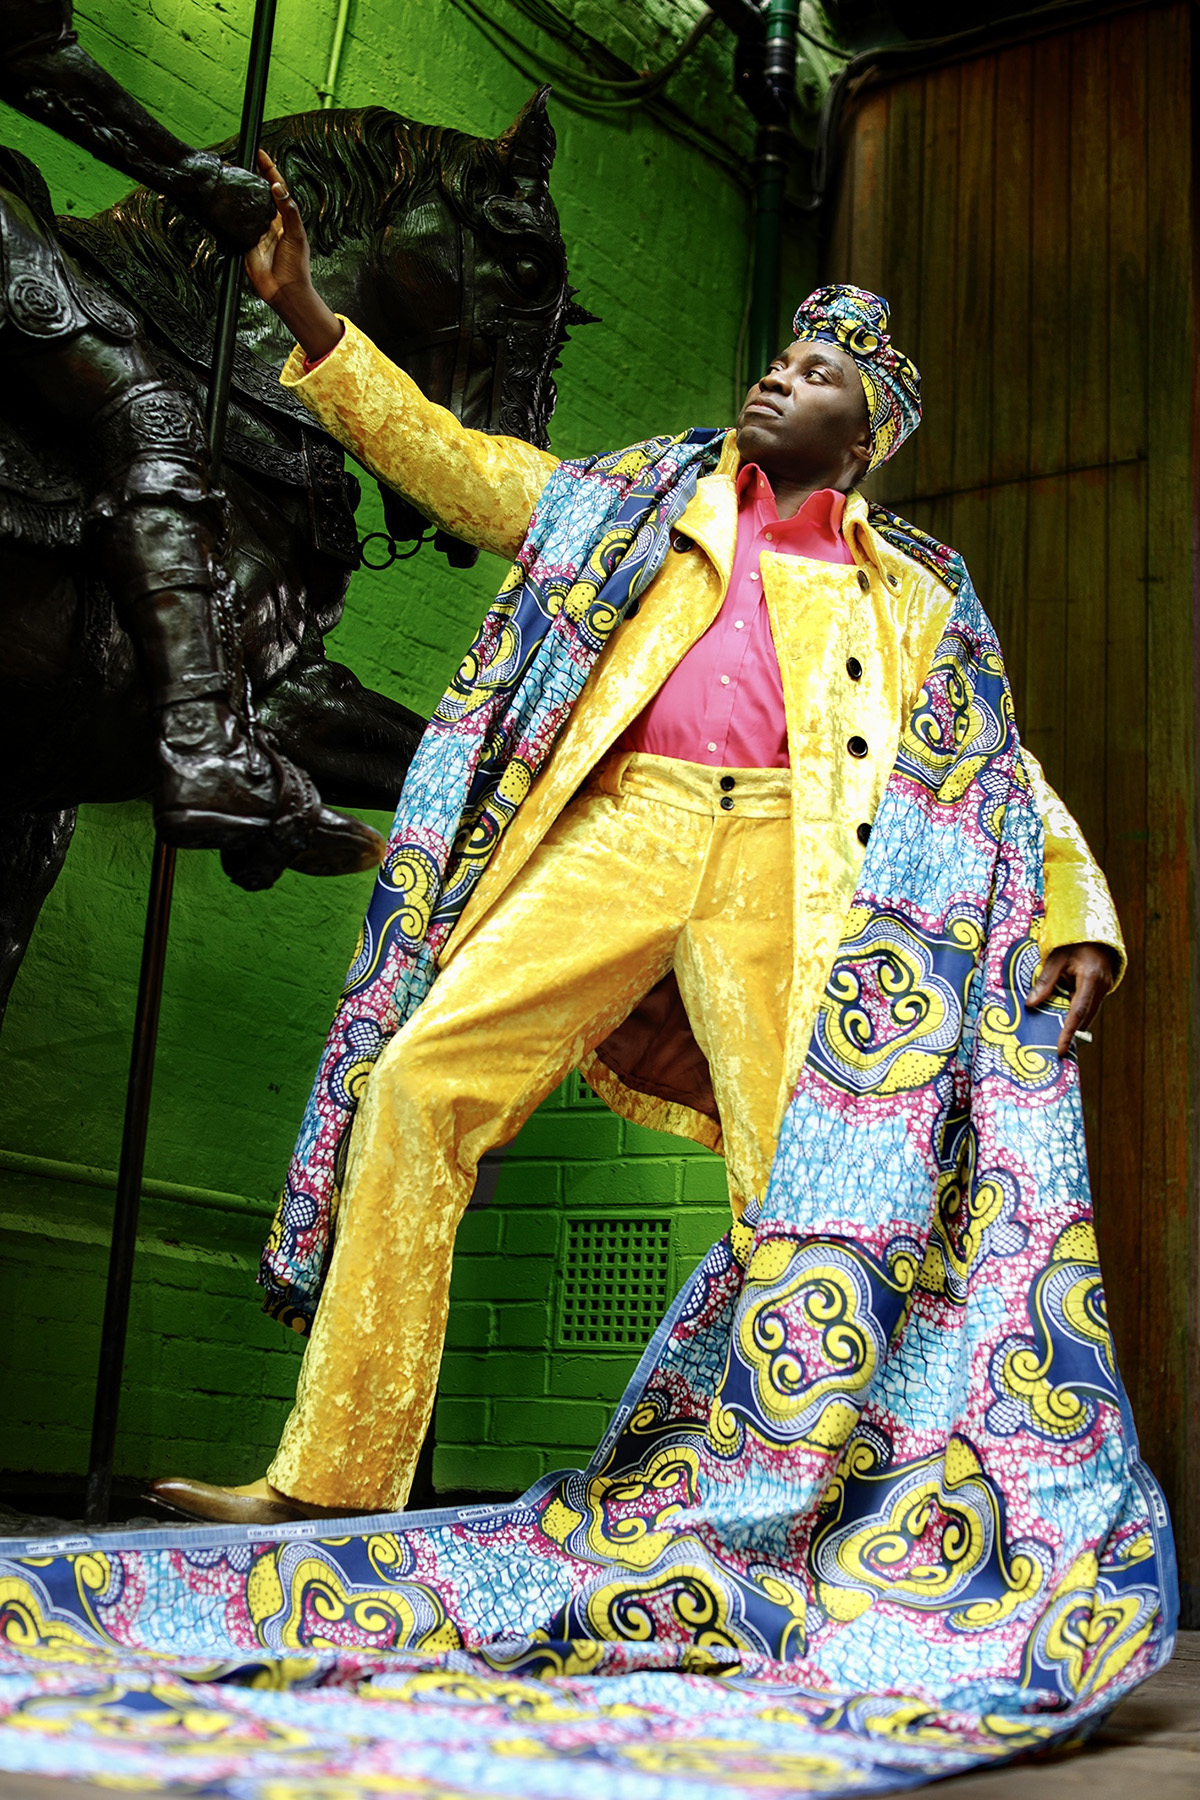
{"points": [[346, 167]]}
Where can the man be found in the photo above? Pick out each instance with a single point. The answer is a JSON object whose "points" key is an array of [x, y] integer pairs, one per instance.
{"points": [[72, 357], [662, 906]]}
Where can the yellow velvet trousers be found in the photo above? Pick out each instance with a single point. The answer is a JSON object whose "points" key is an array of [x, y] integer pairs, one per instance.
{"points": [[656, 864]]}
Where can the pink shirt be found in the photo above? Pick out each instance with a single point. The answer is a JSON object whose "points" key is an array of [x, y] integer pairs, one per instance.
{"points": [[723, 703]]}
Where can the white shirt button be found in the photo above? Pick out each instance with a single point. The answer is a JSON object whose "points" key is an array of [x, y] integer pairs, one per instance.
{"points": [[712, 747], [724, 681], [738, 624], [755, 576], [770, 537]]}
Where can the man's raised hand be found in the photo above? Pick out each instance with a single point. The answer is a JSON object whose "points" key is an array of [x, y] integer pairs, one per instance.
{"points": [[280, 272]]}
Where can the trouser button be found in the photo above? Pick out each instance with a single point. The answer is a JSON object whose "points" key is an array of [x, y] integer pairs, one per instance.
{"points": [[727, 802], [727, 782]]}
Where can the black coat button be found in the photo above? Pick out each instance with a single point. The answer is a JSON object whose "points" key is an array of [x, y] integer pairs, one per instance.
{"points": [[854, 668], [636, 608], [727, 782], [864, 832], [727, 802], [681, 542], [857, 746], [864, 580]]}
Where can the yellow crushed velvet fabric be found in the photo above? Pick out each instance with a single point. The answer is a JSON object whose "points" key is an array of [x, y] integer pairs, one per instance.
{"points": [[643, 872]]}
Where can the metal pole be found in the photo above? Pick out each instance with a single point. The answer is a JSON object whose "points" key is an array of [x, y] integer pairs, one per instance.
{"points": [[115, 1327], [129, 1187], [772, 153]]}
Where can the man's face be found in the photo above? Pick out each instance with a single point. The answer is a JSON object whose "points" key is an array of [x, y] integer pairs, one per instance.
{"points": [[807, 415]]}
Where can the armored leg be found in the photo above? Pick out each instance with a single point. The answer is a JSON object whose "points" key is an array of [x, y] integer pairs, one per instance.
{"points": [[155, 525], [221, 785]]}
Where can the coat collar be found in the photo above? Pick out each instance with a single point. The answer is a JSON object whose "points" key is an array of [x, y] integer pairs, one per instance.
{"points": [[710, 517]]}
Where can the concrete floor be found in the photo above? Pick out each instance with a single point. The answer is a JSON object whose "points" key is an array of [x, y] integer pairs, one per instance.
{"points": [[1149, 1750]]}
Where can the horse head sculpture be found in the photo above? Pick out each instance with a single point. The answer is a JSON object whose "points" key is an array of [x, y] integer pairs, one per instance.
{"points": [[444, 248]]}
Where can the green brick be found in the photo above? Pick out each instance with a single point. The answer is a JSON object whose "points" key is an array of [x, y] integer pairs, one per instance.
{"points": [[273, 1412], [228, 1319], [504, 1278], [484, 1469], [573, 1137], [42, 1450], [461, 1421], [622, 1187], [235, 1279], [211, 1368], [471, 1325], [501, 1372], [523, 1327], [542, 1422], [532, 1234], [143, 1359], [280, 1373], [479, 1232], [582, 1375], [639, 1140], [38, 1396], [705, 1181], [529, 1184], [60, 1348], [697, 1231], [210, 1418]]}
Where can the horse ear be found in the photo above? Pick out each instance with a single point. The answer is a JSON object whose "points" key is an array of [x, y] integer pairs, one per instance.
{"points": [[527, 147]]}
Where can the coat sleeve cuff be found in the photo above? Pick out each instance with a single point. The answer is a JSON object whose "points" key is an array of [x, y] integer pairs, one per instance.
{"points": [[1079, 905]]}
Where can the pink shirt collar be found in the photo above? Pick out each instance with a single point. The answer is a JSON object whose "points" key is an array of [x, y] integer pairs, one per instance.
{"points": [[816, 530]]}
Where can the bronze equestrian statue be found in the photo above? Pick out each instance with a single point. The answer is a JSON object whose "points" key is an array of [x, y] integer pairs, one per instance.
{"points": [[446, 248]]}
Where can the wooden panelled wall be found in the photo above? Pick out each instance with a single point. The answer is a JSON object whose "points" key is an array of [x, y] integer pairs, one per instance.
{"points": [[1028, 215]]}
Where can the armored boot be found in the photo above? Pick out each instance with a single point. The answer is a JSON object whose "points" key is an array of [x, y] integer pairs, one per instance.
{"points": [[221, 785]]}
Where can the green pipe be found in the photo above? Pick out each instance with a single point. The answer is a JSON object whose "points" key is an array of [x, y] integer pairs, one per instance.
{"points": [[772, 153], [43, 1168], [335, 56]]}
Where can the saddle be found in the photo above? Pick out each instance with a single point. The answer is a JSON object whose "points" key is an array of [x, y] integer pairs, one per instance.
{"points": [[57, 278]]}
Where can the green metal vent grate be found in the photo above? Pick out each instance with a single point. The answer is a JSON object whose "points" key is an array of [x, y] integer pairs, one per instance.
{"points": [[615, 1281]]}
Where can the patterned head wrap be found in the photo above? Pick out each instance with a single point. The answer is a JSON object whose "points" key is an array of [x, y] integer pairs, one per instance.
{"points": [[857, 322]]}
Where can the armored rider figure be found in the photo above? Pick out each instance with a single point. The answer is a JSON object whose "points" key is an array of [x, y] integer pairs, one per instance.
{"points": [[73, 353]]}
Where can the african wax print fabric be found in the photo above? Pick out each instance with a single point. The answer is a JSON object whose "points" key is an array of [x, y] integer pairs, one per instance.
{"points": [[596, 540], [857, 322], [870, 1512]]}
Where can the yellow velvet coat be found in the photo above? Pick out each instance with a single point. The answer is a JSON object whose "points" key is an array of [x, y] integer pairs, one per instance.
{"points": [[890, 618]]}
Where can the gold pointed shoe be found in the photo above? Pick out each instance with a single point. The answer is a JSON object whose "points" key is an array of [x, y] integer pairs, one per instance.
{"points": [[223, 1506]]}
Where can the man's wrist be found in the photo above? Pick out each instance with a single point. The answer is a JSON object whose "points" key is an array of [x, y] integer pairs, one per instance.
{"points": [[315, 327]]}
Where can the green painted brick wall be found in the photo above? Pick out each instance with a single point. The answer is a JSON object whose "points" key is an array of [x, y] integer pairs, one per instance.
{"points": [[657, 230]]}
